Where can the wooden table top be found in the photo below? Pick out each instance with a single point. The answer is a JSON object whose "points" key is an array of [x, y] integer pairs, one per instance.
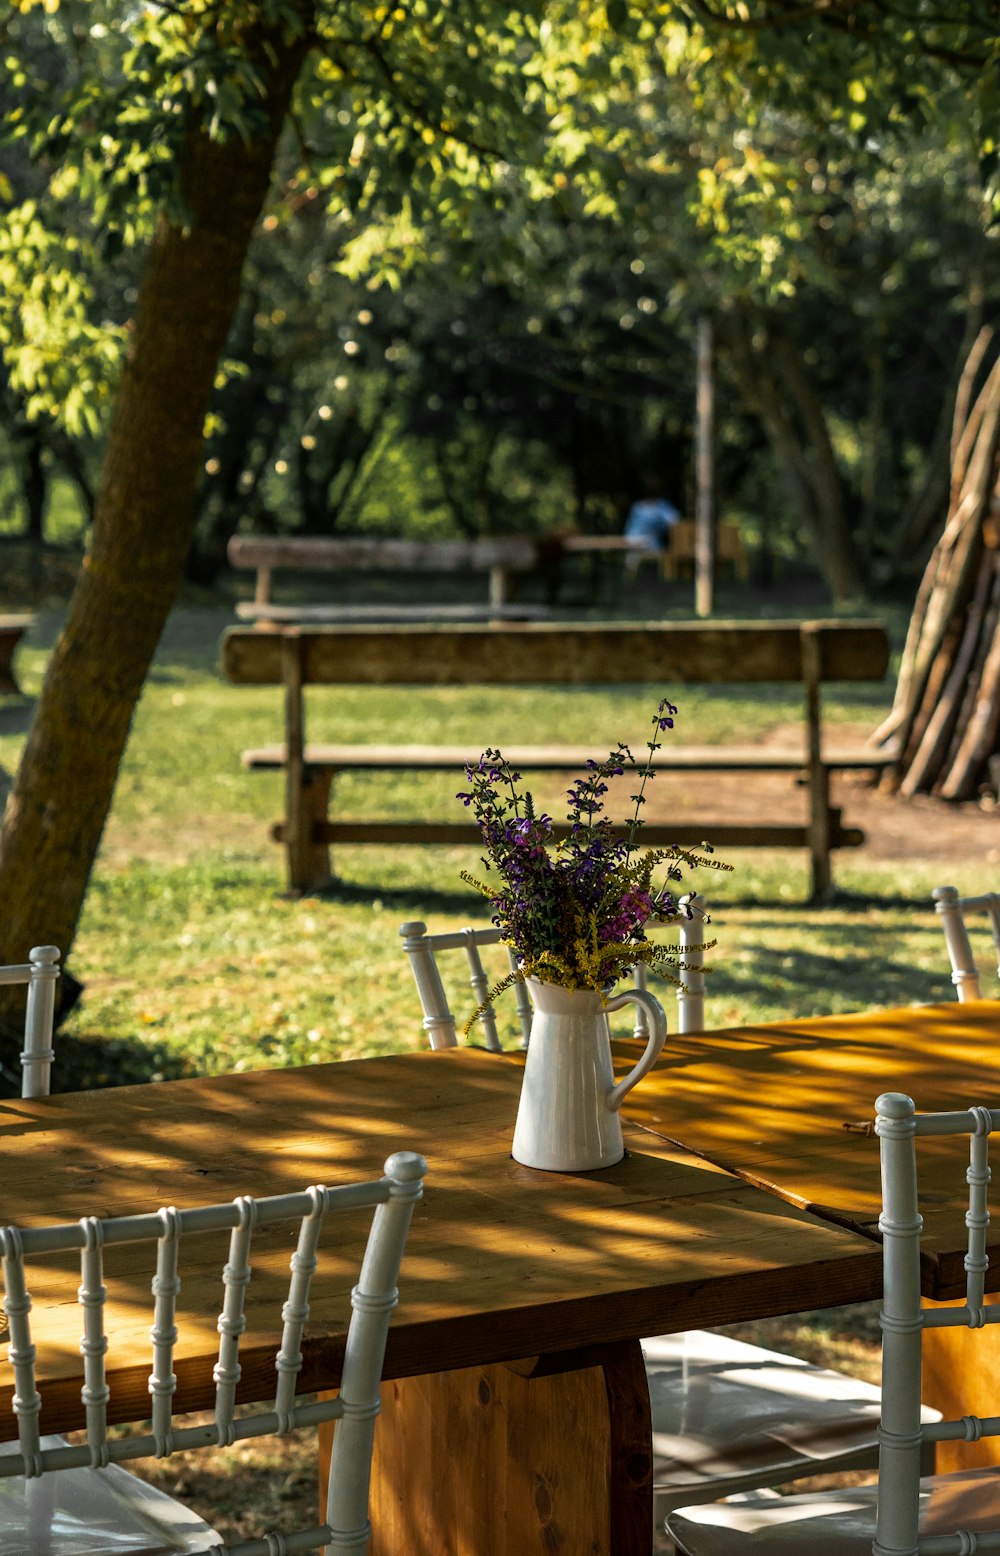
{"points": [[787, 1107], [503, 1262]]}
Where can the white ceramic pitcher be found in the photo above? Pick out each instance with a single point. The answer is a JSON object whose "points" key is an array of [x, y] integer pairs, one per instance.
{"points": [[567, 1118]]}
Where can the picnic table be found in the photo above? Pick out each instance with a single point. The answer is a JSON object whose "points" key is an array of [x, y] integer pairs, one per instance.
{"points": [[516, 1417]]}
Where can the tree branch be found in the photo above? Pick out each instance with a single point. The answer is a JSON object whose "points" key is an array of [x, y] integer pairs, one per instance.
{"points": [[420, 113]]}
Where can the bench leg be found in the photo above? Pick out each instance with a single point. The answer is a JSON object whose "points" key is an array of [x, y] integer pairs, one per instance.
{"points": [[820, 823], [500, 591], [309, 867]]}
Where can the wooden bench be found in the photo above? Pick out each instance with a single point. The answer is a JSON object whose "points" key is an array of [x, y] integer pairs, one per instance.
{"points": [[12, 630], [665, 656], [499, 559]]}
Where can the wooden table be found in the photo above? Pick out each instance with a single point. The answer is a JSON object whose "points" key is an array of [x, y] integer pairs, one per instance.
{"points": [[517, 1418], [788, 1108], [595, 552]]}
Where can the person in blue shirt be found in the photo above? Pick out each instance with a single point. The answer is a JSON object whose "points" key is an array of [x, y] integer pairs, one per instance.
{"points": [[649, 523]]}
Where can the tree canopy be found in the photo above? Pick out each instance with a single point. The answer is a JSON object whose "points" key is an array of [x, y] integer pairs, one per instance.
{"points": [[146, 145]]}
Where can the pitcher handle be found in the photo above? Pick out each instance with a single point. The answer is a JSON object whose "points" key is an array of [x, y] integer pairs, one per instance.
{"points": [[656, 1021]]}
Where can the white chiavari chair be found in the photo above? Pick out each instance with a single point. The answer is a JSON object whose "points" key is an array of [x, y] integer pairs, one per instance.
{"points": [[423, 950], [41, 974], [58, 1498], [904, 1514], [726, 1415], [954, 912]]}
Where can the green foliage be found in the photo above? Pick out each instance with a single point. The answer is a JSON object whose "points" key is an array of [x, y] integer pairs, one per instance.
{"points": [[870, 68], [135, 80], [107, 100], [58, 359], [574, 182]]}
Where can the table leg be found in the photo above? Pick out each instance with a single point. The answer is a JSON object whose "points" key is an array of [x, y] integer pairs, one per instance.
{"points": [[550, 1457], [960, 1368]]}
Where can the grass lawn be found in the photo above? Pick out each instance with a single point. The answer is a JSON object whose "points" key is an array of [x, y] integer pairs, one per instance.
{"points": [[194, 961]]}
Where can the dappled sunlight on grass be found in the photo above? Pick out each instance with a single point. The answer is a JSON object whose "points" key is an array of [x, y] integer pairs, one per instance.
{"points": [[194, 960]]}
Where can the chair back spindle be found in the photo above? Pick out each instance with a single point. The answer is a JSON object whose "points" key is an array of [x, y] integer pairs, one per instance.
{"points": [[355, 1408], [438, 1020], [953, 911], [904, 1319], [691, 993], [41, 974]]}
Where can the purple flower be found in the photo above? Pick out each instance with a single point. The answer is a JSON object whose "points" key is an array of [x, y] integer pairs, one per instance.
{"points": [[588, 896]]}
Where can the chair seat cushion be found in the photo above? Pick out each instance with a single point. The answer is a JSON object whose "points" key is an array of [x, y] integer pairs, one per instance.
{"points": [[729, 1417], [726, 1414], [94, 1512], [832, 1523]]}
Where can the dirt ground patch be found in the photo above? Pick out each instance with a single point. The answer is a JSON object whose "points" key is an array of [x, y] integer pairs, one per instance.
{"points": [[894, 828], [922, 828]]}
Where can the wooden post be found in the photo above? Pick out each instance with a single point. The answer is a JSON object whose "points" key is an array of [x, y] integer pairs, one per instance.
{"points": [[704, 511], [298, 822], [307, 790], [499, 589], [817, 774]]}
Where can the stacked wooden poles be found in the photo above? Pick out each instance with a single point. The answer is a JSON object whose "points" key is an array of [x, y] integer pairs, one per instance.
{"points": [[946, 713]]}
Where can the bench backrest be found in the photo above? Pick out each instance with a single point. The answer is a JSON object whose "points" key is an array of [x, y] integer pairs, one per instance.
{"points": [[536, 653], [331, 553]]}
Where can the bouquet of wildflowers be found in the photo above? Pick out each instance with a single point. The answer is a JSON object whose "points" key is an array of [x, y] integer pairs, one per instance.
{"points": [[575, 910]]}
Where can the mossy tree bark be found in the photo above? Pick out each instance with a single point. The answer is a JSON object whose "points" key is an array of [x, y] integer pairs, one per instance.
{"points": [[142, 528]]}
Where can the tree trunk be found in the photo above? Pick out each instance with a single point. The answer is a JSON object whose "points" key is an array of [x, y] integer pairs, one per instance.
{"points": [[705, 501], [777, 388], [143, 526]]}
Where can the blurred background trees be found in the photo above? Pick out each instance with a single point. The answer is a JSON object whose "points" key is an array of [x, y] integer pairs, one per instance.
{"points": [[440, 269], [521, 356]]}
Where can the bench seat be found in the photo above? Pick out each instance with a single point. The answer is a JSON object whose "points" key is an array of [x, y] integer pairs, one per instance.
{"points": [[719, 759], [324, 762], [252, 610]]}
